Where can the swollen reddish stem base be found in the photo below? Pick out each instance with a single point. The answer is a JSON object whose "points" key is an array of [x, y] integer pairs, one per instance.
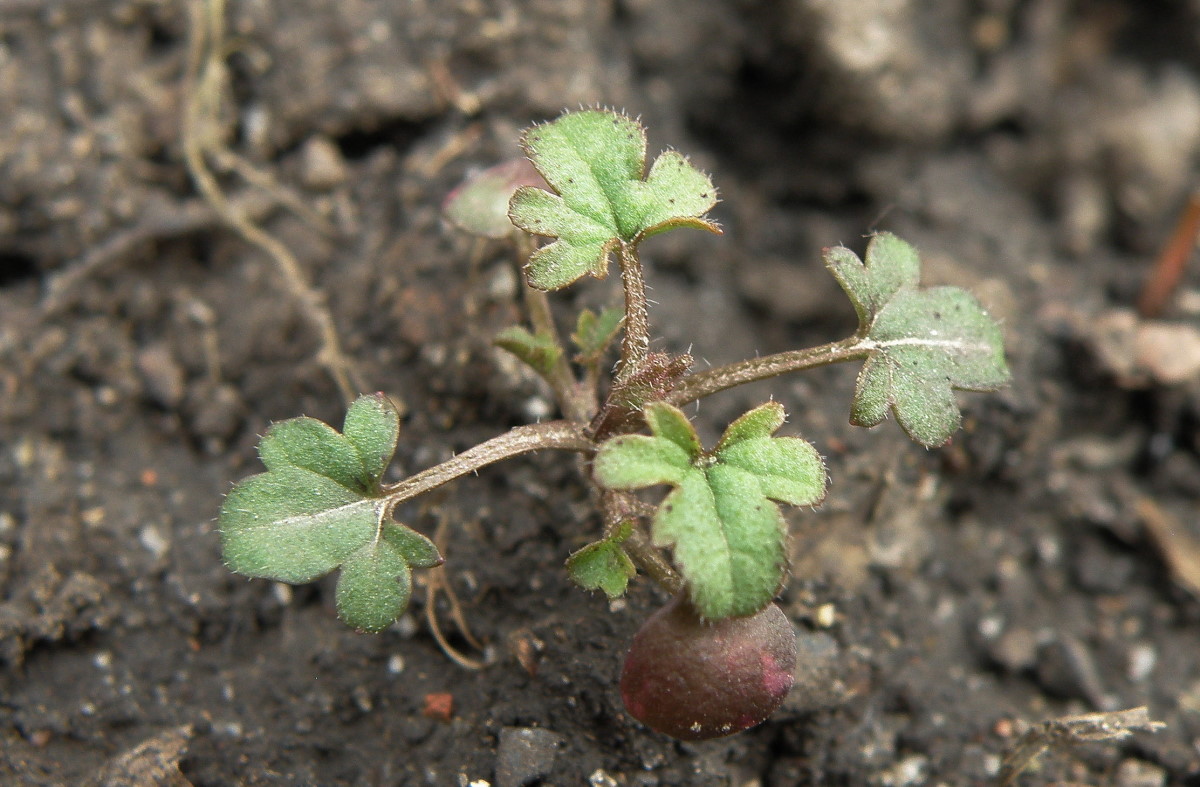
{"points": [[694, 680]]}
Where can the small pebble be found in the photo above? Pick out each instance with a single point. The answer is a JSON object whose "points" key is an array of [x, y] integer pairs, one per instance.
{"points": [[1139, 773], [1015, 649], [415, 729], [819, 674], [909, 771], [599, 778], [825, 616], [1141, 660], [215, 410], [153, 541], [282, 593], [321, 164], [1100, 570], [406, 626], [525, 754], [990, 626], [502, 284], [1065, 667], [438, 706], [164, 378], [536, 409]]}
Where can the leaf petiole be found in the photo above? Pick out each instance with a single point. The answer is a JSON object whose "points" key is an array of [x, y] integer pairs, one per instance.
{"points": [[574, 400], [650, 560], [635, 343], [561, 435], [711, 381]]}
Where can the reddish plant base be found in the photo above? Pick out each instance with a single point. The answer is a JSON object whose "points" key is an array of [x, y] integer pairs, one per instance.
{"points": [[694, 680]]}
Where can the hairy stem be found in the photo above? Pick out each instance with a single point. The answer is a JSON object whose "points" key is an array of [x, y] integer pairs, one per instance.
{"points": [[635, 342], [572, 397], [620, 507], [575, 399], [562, 435], [652, 562], [711, 381]]}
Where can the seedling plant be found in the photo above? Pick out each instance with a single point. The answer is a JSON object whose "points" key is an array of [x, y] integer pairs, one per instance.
{"points": [[720, 656]]}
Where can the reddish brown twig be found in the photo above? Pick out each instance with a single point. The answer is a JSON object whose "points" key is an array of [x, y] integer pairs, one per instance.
{"points": [[1168, 270]]}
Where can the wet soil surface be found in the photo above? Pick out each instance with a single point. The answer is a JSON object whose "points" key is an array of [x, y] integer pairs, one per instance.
{"points": [[1045, 563]]}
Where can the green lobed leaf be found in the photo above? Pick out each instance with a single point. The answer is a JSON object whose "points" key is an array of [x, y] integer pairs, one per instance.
{"points": [[318, 507], [595, 332], [603, 565], [923, 343], [891, 264], [375, 584], [595, 162], [372, 426], [727, 534], [294, 525], [314, 446], [538, 351], [417, 550]]}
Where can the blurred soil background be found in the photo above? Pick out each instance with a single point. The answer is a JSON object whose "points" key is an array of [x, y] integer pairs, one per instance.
{"points": [[1046, 563]]}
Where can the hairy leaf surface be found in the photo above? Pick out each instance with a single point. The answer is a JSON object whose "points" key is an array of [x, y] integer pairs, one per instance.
{"points": [[603, 565], [727, 534], [595, 162], [318, 508], [923, 343]]}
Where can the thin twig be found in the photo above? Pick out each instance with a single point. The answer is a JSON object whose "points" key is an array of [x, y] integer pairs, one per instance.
{"points": [[1179, 548], [204, 85], [161, 220], [1168, 270], [435, 582], [1068, 730], [227, 160]]}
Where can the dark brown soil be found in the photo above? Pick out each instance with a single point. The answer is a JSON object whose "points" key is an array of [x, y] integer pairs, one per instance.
{"points": [[1037, 151]]}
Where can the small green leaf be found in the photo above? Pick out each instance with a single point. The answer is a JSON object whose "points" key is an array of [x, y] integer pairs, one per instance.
{"points": [[376, 581], [372, 425], [728, 537], [595, 162], [537, 350], [479, 205], [923, 343], [891, 265], [594, 333], [603, 565], [294, 525], [318, 507], [315, 446], [417, 550]]}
